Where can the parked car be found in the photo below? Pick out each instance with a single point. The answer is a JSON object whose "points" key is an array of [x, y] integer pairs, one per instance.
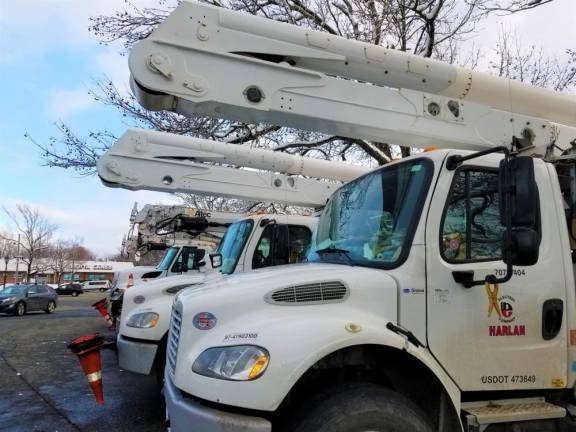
{"points": [[19, 299], [73, 289], [100, 285]]}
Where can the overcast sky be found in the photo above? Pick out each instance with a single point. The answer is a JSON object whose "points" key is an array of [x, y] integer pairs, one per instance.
{"points": [[47, 60]]}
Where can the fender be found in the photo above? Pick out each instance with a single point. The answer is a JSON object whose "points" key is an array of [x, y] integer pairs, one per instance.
{"points": [[295, 344]]}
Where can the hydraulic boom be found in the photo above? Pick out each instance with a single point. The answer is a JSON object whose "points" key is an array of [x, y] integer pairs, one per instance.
{"points": [[144, 159], [212, 61]]}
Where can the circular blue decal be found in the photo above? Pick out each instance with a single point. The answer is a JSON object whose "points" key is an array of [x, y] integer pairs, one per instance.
{"points": [[204, 321]]}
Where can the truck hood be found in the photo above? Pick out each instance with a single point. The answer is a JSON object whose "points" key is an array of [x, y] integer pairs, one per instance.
{"points": [[317, 307], [274, 277], [154, 291], [236, 294]]}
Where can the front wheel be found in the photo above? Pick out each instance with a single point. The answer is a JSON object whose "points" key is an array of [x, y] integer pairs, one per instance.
{"points": [[362, 408], [51, 307], [20, 309]]}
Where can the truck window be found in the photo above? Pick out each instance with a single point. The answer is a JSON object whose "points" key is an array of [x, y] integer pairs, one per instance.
{"points": [[167, 259], [281, 244], [471, 228], [299, 239], [187, 256], [372, 219], [233, 243]]}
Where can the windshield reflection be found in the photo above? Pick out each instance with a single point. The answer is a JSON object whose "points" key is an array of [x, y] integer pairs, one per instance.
{"points": [[371, 220]]}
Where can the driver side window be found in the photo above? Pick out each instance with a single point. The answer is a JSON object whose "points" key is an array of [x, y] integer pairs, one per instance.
{"points": [[185, 261], [471, 227]]}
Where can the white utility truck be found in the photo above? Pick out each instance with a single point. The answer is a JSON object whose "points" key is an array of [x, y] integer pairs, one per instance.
{"points": [[440, 291], [187, 234], [252, 242]]}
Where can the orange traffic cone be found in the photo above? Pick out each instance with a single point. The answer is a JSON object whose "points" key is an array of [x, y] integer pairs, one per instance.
{"points": [[102, 307], [130, 283], [87, 348]]}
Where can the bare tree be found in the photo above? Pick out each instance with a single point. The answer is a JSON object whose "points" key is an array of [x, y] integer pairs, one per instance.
{"points": [[35, 233], [431, 28], [529, 64], [58, 261]]}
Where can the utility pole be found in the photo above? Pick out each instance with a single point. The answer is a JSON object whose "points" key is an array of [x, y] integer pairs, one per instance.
{"points": [[17, 260], [6, 260]]}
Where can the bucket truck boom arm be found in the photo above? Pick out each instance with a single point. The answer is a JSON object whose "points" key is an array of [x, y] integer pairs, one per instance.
{"points": [[144, 159], [212, 61]]}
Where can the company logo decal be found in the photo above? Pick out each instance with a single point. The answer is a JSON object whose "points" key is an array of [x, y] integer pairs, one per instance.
{"points": [[502, 308], [204, 321]]}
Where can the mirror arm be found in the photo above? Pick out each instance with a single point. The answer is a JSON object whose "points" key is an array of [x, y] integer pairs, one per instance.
{"points": [[455, 161]]}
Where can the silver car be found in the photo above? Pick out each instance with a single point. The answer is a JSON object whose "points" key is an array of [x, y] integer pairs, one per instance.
{"points": [[19, 299]]}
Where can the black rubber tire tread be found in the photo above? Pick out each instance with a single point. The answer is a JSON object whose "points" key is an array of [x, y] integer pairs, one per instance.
{"points": [[47, 310], [361, 407], [16, 309]]}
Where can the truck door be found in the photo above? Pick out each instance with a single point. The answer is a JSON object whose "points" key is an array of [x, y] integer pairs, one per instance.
{"points": [[491, 337]]}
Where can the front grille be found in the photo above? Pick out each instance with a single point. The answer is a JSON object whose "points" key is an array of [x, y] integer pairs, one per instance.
{"points": [[314, 293], [173, 339]]}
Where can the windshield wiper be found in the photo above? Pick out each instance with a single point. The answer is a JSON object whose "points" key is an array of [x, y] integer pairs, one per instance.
{"points": [[335, 250]]}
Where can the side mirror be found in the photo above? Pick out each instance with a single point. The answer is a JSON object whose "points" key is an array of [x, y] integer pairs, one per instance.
{"points": [[525, 246], [216, 260], [523, 192], [519, 211]]}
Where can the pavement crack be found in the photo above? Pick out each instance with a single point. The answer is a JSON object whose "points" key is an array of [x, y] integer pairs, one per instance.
{"points": [[40, 395]]}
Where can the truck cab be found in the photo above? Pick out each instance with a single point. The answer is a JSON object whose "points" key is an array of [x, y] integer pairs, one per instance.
{"points": [[406, 312], [177, 260], [250, 243]]}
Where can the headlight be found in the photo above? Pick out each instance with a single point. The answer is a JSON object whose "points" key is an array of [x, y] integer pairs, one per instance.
{"points": [[143, 320], [235, 363], [8, 300]]}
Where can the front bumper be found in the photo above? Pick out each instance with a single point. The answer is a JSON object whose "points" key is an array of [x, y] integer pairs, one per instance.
{"points": [[185, 414], [7, 308], [136, 356]]}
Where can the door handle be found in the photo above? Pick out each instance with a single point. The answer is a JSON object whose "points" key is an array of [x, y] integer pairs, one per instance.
{"points": [[552, 313]]}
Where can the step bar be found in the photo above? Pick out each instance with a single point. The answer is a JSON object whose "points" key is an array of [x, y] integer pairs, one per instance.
{"points": [[480, 415]]}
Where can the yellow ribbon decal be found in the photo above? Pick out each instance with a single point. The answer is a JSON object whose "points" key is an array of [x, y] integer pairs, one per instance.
{"points": [[493, 299]]}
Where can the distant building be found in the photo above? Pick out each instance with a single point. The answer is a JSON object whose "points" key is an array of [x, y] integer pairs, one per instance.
{"points": [[77, 271]]}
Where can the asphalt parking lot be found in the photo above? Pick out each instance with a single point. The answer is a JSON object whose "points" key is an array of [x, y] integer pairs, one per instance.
{"points": [[43, 388]]}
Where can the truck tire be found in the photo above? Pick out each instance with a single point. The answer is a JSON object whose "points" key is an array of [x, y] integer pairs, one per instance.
{"points": [[361, 407]]}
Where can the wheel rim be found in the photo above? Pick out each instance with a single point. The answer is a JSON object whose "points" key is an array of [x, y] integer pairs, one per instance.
{"points": [[20, 309], [51, 307]]}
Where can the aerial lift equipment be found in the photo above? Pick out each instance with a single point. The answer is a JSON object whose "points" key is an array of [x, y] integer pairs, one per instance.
{"points": [[386, 325]]}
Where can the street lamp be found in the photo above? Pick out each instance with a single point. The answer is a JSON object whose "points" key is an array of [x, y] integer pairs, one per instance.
{"points": [[6, 259]]}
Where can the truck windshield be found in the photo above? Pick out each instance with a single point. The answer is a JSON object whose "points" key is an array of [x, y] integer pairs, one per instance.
{"points": [[167, 259], [371, 220], [233, 243]]}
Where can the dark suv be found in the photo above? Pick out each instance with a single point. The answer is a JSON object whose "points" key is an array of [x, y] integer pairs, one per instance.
{"points": [[73, 289]]}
